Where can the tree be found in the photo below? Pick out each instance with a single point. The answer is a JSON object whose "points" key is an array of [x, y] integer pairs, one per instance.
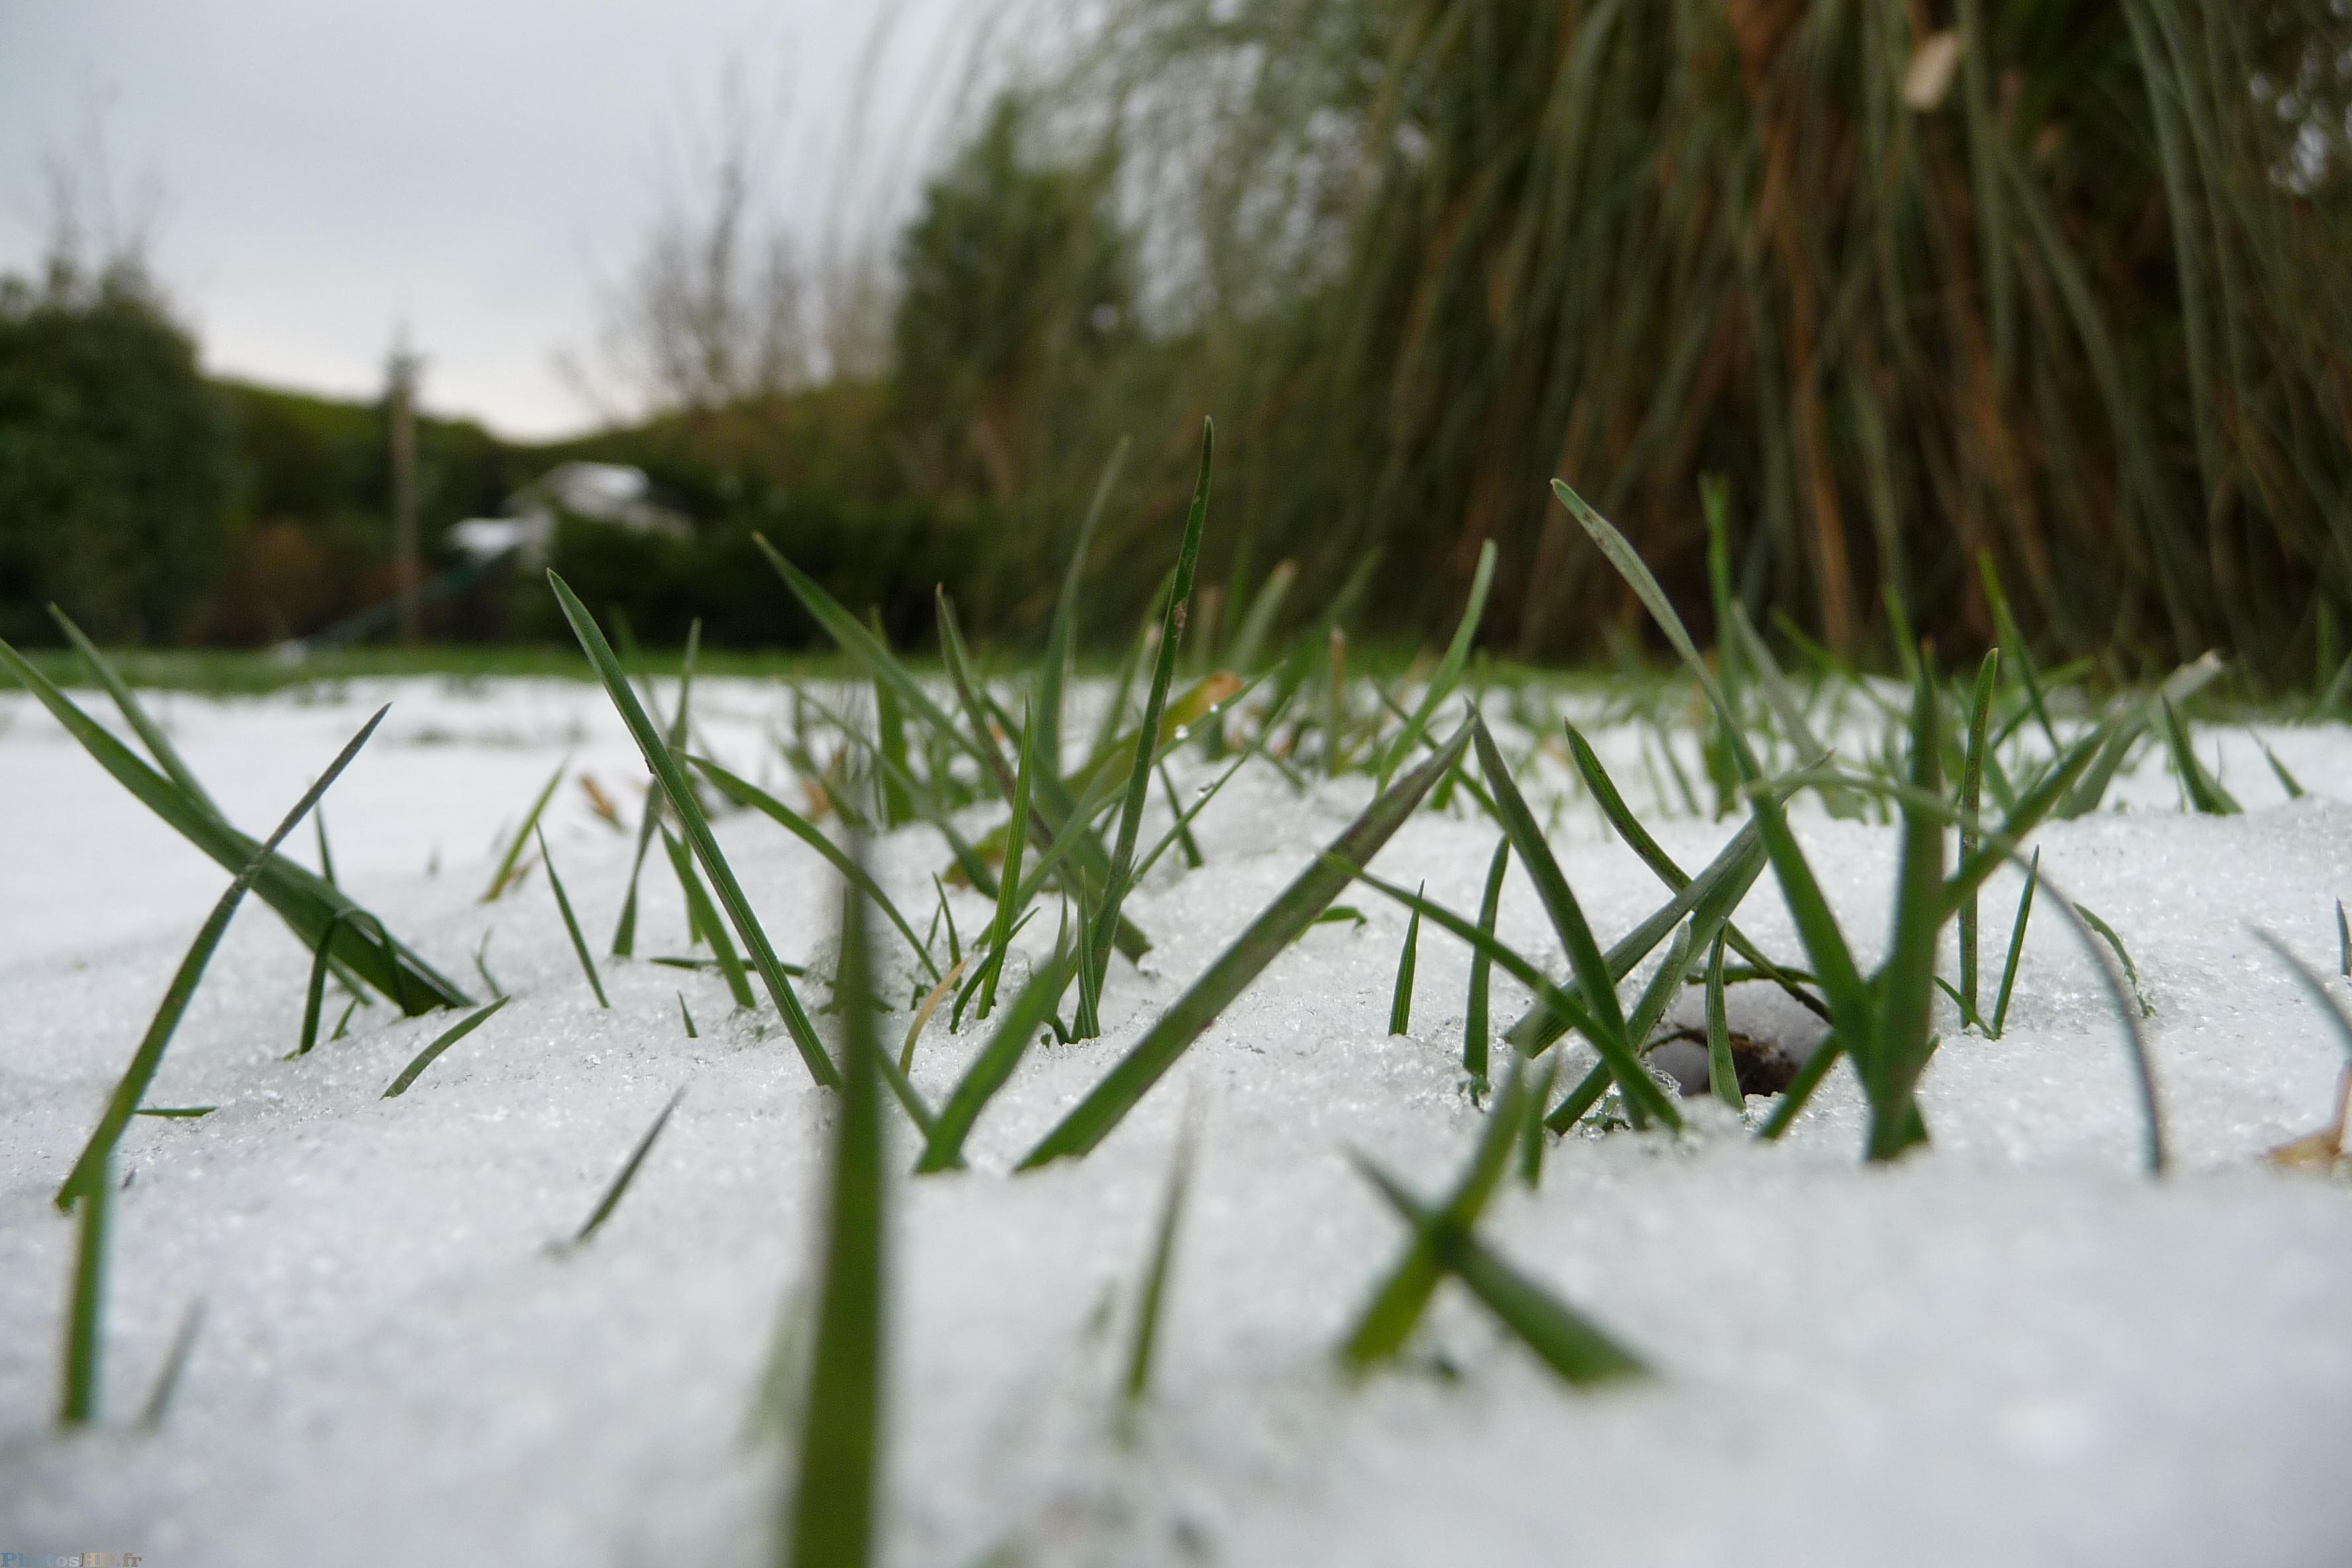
{"points": [[114, 470], [1015, 285]]}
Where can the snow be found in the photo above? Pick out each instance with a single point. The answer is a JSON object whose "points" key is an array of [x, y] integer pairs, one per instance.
{"points": [[2015, 1347]]}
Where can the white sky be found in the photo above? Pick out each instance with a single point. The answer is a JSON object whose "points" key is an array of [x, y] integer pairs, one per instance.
{"points": [[331, 169]]}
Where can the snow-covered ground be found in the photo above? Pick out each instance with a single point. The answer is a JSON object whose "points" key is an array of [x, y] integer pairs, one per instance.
{"points": [[2012, 1347]]}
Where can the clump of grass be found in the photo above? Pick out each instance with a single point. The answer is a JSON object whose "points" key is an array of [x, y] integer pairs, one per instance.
{"points": [[1275, 928], [89, 1170], [664, 763], [305, 901]]}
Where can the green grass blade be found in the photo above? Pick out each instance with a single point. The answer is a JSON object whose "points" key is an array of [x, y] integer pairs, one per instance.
{"points": [[833, 1512], [1629, 565], [1155, 700], [1475, 1030], [314, 996], [1275, 928], [1135, 1386], [993, 1067], [742, 792], [1722, 1068], [664, 763], [1619, 1060], [1637, 838], [86, 1311], [1597, 984], [571, 923], [2205, 792], [704, 921], [687, 1016], [149, 1056], [1401, 998], [2016, 949], [1055, 671], [1561, 1337], [1183, 828], [126, 702], [1016, 840], [2123, 955], [864, 648], [305, 902], [1396, 1306], [1900, 1038], [628, 1172], [504, 877], [1180, 830], [442, 1042], [1971, 805], [1449, 669], [624, 930], [2287, 781]]}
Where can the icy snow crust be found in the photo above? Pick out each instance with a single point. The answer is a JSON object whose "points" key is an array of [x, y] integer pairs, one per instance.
{"points": [[2012, 1348]]}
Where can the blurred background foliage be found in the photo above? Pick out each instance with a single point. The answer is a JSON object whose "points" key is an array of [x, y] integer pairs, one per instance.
{"points": [[2047, 285]]}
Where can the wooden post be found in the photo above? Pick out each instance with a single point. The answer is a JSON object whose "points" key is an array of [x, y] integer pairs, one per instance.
{"points": [[407, 573]]}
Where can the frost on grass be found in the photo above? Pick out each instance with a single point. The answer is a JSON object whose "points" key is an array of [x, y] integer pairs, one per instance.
{"points": [[2009, 1348]]}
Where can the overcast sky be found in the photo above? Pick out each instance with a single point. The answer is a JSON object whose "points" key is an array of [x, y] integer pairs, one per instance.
{"points": [[332, 169]]}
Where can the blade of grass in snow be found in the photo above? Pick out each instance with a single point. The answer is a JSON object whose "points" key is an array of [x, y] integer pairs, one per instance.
{"points": [[664, 763], [1449, 670], [166, 1387], [1275, 928], [687, 1017], [2016, 947], [326, 855], [628, 1172], [86, 1308], [2316, 983], [1900, 1042], [442, 1042], [1401, 998], [833, 1509], [1971, 804], [149, 1056], [2287, 781], [1397, 1304], [1637, 838], [571, 923], [504, 877], [2205, 792], [176, 1112], [1595, 982], [704, 924], [305, 902], [1053, 673], [1135, 1386], [1722, 1068], [1163, 670], [993, 1067], [1562, 1338], [624, 930], [1619, 1061], [1016, 840], [1182, 830], [1475, 1030], [482, 968], [314, 996], [742, 792], [150, 734], [2123, 954]]}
